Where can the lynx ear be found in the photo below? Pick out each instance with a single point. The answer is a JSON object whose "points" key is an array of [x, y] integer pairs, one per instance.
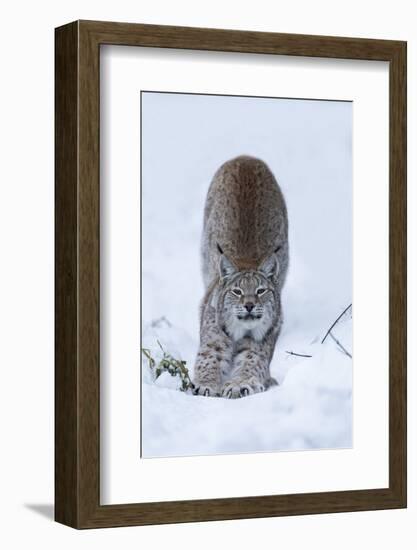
{"points": [[269, 266], [226, 267]]}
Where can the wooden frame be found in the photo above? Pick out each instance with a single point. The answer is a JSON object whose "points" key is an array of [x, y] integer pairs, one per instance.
{"points": [[77, 373]]}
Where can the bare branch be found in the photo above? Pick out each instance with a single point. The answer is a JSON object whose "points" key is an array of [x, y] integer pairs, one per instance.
{"points": [[340, 345], [297, 354], [334, 324]]}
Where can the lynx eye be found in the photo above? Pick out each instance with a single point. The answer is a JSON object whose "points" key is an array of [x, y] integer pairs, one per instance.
{"points": [[237, 291], [261, 291]]}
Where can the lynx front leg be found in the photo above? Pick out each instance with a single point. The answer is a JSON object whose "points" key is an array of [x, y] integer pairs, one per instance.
{"points": [[213, 358], [250, 372], [207, 375]]}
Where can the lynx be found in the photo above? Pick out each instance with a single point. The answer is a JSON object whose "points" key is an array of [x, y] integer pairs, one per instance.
{"points": [[244, 251]]}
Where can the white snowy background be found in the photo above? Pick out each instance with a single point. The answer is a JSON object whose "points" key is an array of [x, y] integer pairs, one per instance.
{"points": [[307, 145]]}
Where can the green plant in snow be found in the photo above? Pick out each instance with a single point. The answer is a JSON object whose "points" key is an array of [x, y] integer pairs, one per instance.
{"points": [[175, 367]]}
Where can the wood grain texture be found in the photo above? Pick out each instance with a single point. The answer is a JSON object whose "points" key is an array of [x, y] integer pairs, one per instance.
{"points": [[77, 403], [66, 237], [398, 274]]}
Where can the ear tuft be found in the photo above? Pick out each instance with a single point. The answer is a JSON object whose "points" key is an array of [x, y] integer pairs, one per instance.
{"points": [[269, 266], [226, 267]]}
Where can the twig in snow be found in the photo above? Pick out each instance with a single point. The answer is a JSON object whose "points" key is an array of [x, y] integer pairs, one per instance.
{"points": [[147, 354], [340, 345], [334, 324], [297, 354], [174, 367]]}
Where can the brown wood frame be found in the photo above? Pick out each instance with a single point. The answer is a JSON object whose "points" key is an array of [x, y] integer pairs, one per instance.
{"points": [[77, 373]]}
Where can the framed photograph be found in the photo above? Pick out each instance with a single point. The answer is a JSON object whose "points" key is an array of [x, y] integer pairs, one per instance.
{"points": [[230, 274]]}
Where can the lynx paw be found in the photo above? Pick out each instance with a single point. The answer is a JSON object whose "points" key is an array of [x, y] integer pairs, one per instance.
{"points": [[206, 390], [241, 388]]}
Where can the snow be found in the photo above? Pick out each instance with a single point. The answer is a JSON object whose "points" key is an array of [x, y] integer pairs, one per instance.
{"points": [[307, 144]]}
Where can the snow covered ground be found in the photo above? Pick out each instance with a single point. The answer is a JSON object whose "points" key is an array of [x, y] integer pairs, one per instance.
{"points": [[307, 144]]}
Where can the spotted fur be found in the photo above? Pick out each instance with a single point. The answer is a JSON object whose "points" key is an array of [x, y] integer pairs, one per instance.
{"points": [[245, 261]]}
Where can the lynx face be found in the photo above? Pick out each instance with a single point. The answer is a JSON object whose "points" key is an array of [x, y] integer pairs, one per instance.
{"points": [[247, 300]]}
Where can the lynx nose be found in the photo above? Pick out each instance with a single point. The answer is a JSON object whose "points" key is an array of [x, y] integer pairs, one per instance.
{"points": [[249, 306]]}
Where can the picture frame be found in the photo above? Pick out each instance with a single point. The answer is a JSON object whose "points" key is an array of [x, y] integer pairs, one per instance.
{"points": [[77, 274]]}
